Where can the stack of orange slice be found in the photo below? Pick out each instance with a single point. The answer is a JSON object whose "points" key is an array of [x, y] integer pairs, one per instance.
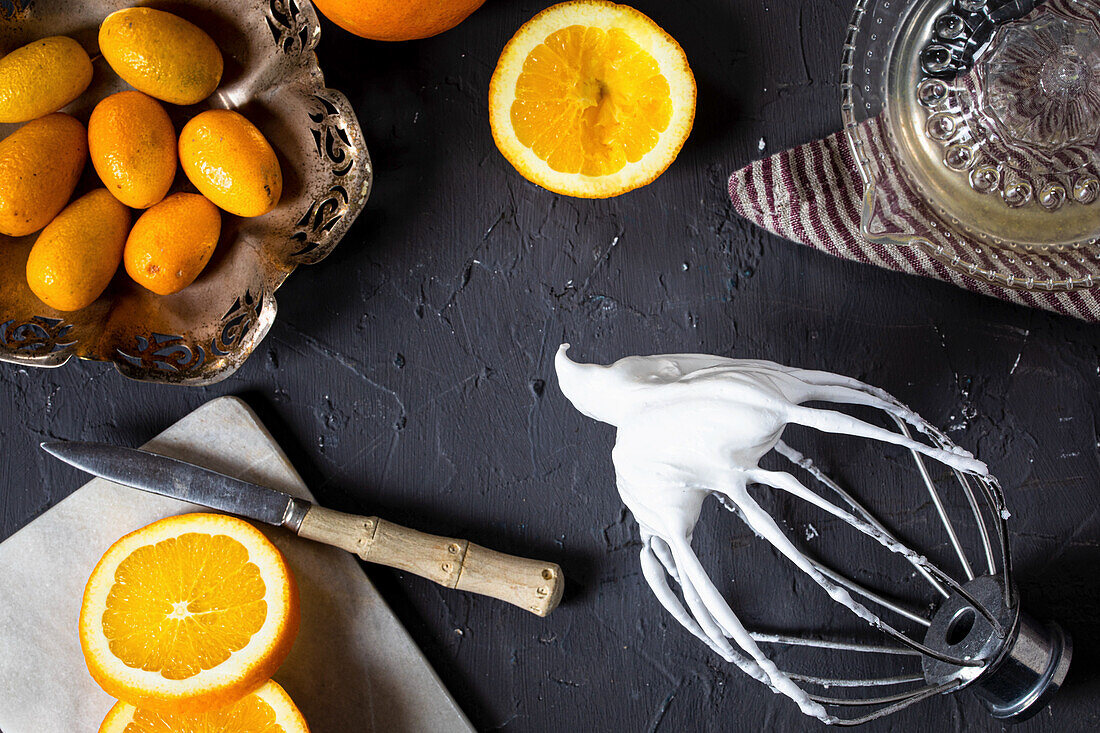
{"points": [[184, 621], [267, 710]]}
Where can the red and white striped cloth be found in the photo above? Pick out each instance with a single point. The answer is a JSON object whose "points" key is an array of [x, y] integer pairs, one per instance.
{"points": [[813, 194]]}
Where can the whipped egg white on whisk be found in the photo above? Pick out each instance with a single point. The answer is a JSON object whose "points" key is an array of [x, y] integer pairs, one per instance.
{"points": [[691, 426]]}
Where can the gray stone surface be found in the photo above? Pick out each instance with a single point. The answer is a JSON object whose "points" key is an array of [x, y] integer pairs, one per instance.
{"points": [[411, 374]]}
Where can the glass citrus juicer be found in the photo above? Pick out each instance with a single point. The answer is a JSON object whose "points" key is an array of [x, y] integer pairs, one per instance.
{"points": [[975, 125]]}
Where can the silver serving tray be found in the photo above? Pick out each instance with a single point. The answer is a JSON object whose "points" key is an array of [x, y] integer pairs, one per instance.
{"points": [[204, 333]]}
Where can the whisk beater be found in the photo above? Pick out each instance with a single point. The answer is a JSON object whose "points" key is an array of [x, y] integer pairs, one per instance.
{"points": [[692, 426], [977, 637]]}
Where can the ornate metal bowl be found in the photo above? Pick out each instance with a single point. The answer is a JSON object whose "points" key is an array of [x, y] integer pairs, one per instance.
{"points": [[204, 333]]}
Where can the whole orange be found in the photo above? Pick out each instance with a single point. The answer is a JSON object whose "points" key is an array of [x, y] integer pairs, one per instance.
{"points": [[231, 162], [405, 20], [133, 147], [40, 164], [76, 255], [161, 54], [171, 243]]}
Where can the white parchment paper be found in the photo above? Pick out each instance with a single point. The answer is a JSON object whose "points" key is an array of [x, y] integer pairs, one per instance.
{"points": [[353, 666]]}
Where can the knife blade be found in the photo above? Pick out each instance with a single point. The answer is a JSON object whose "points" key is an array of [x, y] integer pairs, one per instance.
{"points": [[177, 479], [533, 585]]}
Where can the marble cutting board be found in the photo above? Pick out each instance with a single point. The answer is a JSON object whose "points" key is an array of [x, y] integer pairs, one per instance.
{"points": [[353, 666]]}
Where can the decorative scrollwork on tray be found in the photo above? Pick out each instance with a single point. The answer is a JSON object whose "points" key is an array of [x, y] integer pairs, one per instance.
{"points": [[12, 9], [331, 137], [338, 154], [236, 324], [180, 357], [165, 353], [293, 30], [319, 219], [40, 336]]}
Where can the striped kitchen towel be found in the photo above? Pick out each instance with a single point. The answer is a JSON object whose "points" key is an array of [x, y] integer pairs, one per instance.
{"points": [[813, 194]]}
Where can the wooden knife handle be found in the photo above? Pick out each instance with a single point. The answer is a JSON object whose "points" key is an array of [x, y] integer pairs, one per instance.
{"points": [[532, 585]]}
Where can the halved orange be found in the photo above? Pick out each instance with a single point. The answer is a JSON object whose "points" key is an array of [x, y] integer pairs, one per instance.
{"points": [[591, 99], [188, 614], [267, 710]]}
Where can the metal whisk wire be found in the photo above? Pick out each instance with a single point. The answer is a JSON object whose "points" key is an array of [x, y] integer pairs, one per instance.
{"points": [[940, 582], [693, 426]]}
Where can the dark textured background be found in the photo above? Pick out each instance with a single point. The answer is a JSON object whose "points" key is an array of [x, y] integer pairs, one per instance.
{"points": [[411, 374]]}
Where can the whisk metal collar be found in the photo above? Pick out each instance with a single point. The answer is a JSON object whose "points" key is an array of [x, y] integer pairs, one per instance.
{"points": [[1025, 666]]}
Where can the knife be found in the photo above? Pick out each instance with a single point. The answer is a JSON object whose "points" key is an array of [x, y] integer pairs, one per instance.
{"points": [[530, 584]]}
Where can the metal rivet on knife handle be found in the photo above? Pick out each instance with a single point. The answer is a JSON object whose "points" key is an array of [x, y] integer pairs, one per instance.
{"points": [[529, 584]]}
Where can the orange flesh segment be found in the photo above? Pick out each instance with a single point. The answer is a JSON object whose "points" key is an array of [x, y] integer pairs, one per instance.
{"points": [[590, 101], [250, 715], [184, 605]]}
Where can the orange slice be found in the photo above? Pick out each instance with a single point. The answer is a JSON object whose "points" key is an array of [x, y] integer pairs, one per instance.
{"points": [[267, 710], [188, 614], [591, 99]]}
